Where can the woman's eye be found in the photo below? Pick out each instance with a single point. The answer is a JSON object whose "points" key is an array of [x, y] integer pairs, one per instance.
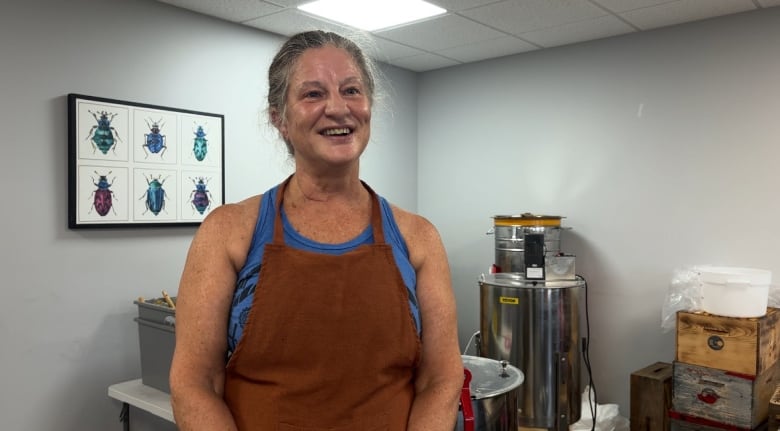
{"points": [[312, 94], [353, 91]]}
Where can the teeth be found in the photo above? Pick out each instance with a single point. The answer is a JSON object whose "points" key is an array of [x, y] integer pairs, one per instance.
{"points": [[331, 132]]}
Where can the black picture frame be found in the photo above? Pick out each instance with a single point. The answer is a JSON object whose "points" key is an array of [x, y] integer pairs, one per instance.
{"points": [[140, 165]]}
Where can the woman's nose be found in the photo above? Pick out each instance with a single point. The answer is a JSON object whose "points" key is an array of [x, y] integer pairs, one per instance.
{"points": [[336, 105]]}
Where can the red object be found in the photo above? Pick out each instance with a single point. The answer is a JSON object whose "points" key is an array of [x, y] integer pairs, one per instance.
{"points": [[706, 422], [465, 402], [708, 396]]}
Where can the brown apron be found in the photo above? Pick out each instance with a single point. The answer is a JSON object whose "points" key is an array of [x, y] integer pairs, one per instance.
{"points": [[330, 342]]}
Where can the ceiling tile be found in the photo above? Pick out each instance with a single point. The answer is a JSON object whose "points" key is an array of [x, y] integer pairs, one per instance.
{"points": [[424, 62], [626, 5], [459, 5], [517, 17], [292, 21], [500, 47], [385, 50], [681, 11], [231, 10], [439, 33], [288, 3], [591, 29]]}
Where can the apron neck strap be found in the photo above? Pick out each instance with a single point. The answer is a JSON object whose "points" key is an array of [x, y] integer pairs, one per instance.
{"points": [[376, 215]]}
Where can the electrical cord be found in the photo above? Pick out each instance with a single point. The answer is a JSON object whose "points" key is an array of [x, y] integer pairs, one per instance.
{"points": [[592, 401], [466, 349]]}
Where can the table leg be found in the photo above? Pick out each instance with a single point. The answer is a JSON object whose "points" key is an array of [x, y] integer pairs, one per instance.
{"points": [[124, 416]]}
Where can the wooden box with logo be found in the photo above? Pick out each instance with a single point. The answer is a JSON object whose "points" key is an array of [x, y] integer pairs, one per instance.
{"points": [[742, 345], [725, 397]]}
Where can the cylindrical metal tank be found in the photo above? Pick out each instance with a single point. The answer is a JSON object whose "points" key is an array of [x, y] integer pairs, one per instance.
{"points": [[534, 324], [492, 392], [511, 231]]}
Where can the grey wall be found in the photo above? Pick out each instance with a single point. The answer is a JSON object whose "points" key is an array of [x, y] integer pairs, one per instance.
{"points": [[67, 329], [661, 149]]}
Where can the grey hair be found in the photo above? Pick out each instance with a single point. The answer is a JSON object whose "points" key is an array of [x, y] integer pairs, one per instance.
{"points": [[286, 60]]}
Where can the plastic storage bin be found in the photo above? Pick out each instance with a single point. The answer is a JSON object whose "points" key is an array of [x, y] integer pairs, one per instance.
{"points": [[156, 339], [734, 291]]}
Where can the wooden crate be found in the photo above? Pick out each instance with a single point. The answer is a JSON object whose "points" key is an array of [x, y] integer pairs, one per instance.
{"points": [[681, 422], [651, 397], [724, 397], [774, 410], [742, 345]]}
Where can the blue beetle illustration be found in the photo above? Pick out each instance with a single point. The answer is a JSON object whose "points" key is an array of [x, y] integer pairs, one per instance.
{"points": [[102, 197], [155, 195], [200, 144], [154, 141], [200, 198], [103, 135]]}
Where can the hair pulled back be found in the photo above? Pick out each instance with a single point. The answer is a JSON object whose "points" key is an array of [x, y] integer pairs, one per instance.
{"points": [[286, 60]]}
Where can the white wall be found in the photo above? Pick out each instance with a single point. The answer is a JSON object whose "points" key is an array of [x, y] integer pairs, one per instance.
{"points": [[661, 149], [67, 329]]}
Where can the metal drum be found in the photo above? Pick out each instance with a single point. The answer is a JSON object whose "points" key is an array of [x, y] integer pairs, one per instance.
{"points": [[535, 326], [510, 232], [491, 389]]}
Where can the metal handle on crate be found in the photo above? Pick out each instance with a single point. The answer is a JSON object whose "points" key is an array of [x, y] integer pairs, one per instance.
{"points": [[170, 320]]}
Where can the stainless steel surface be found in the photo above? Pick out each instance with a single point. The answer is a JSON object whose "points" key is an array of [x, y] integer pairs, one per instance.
{"points": [[535, 326], [494, 391], [560, 267], [510, 244]]}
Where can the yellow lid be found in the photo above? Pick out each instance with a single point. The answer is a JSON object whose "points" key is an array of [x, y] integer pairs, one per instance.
{"points": [[527, 219]]}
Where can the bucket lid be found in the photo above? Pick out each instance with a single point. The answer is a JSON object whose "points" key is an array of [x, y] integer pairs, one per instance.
{"points": [[733, 275], [490, 377], [517, 280], [527, 219]]}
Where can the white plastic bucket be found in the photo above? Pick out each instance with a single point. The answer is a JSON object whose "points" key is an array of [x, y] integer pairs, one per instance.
{"points": [[733, 291]]}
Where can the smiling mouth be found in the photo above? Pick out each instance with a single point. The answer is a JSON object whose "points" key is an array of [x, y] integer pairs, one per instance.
{"points": [[337, 132]]}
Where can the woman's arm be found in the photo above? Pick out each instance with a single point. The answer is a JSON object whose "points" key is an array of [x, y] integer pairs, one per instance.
{"points": [[202, 308], [439, 379]]}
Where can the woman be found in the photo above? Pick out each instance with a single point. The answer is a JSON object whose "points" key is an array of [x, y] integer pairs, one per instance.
{"points": [[317, 305]]}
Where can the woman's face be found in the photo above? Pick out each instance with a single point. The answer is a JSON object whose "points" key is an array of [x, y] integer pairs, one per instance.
{"points": [[328, 115]]}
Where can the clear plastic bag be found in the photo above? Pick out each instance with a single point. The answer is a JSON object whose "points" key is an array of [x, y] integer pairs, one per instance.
{"points": [[684, 295], [607, 416]]}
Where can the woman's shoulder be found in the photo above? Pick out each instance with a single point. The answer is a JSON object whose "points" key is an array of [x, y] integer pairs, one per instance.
{"points": [[417, 230], [231, 226], [236, 214]]}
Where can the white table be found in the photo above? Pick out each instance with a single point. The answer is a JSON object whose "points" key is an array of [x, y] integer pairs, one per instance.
{"points": [[135, 393]]}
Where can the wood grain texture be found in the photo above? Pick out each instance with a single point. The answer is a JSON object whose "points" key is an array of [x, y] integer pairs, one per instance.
{"points": [[722, 396], [742, 345], [651, 397]]}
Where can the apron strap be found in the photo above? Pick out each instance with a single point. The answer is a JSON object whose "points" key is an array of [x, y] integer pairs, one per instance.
{"points": [[376, 214]]}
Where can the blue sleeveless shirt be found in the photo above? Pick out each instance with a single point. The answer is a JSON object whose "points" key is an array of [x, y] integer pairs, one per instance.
{"points": [[248, 275]]}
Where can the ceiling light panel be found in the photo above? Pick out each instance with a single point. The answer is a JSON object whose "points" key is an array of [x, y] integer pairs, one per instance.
{"points": [[374, 14]]}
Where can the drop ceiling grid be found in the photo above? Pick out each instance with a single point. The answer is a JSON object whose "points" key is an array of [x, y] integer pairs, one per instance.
{"points": [[475, 30]]}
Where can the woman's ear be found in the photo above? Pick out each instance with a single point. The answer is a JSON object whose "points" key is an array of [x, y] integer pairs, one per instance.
{"points": [[278, 122]]}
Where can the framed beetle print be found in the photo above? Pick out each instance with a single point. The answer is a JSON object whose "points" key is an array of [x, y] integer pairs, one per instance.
{"points": [[134, 164]]}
